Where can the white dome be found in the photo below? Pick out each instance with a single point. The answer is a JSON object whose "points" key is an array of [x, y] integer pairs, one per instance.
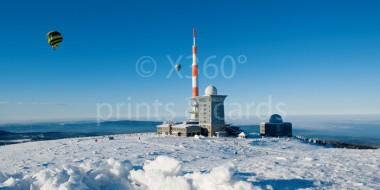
{"points": [[211, 90]]}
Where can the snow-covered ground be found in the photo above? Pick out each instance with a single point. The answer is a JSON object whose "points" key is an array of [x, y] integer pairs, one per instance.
{"points": [[166, 162]]}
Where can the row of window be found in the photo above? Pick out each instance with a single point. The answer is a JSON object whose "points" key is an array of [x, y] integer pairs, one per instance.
{"points": [[179, 129]]}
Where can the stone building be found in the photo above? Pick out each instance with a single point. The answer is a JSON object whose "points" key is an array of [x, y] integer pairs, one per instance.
{"points": [[209, 121], [211, 112]]}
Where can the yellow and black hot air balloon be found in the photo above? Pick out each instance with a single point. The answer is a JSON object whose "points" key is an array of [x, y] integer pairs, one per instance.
{"points": [[54, 38]]}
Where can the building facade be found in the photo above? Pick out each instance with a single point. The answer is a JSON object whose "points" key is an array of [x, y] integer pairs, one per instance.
{"points": [[211, 112], [164, 129], [276, 127]]}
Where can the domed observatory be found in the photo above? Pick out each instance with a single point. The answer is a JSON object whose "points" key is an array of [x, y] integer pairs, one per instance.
{"points": [[276, 127], [211, 112]]}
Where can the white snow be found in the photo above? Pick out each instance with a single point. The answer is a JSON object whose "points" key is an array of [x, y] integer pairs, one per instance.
{"points": [[242, 135], [167, 162]]}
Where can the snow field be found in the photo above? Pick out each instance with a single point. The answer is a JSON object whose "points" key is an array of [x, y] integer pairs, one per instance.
{"points": [[166, 162]]}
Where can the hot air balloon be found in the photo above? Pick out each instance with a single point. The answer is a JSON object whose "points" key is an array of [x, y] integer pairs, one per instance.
{"points": [[177, 67], [54, 38]]}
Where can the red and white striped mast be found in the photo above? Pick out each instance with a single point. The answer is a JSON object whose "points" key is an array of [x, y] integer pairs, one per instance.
{"points": [[195, 67], [194, 78]]}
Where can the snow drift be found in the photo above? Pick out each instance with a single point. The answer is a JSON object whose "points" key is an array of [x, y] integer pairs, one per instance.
{"points": [[161, 173]]}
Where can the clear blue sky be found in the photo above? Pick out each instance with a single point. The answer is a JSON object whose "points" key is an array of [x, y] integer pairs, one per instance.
{"points": [[315, 57]]}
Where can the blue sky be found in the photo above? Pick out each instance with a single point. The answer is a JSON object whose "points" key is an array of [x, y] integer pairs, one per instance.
{"points": [[309, 57]]}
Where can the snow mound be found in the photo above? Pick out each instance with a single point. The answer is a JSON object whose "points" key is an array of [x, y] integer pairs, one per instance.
{"points": [[199, 136], [219, 178], [93, 175], [164, 173], [161, 173]]}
